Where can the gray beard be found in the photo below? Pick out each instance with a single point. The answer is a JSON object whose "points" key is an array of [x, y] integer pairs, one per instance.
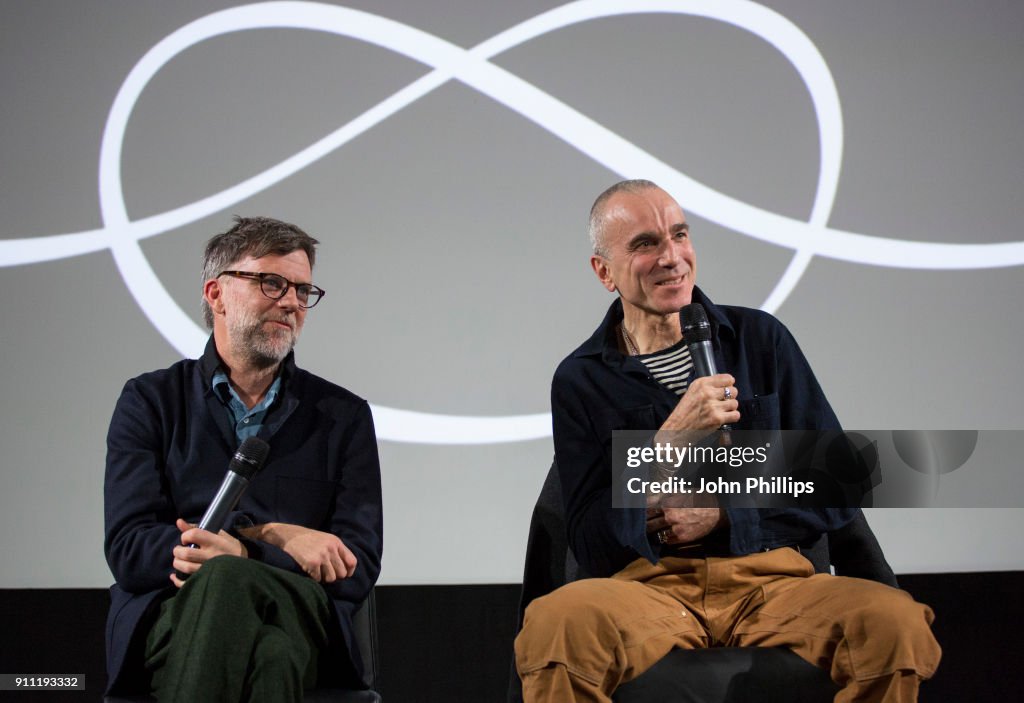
{"points": [[256, 345]]}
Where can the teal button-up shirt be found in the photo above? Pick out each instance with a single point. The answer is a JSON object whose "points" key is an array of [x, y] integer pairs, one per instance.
{"points": [[247, 422]]}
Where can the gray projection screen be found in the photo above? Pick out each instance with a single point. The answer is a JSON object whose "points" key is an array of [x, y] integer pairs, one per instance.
{"points": [[855, 168]]}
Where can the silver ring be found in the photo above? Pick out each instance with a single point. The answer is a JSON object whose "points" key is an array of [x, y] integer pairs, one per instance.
{"points": [[663, 535], [728, 393]]}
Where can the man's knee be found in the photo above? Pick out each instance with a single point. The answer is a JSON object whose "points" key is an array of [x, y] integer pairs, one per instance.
{"points": [[228, 580], [581, 606], [894, 614], [224, 566], [595, 626], [226, 569], [565, 624]]}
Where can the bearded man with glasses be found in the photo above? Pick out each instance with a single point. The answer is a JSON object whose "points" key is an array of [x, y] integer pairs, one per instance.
{"points": [[256, 610]]}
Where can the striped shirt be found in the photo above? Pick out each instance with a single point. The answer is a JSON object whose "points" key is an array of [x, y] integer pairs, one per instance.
{"points": [[670, 367]]}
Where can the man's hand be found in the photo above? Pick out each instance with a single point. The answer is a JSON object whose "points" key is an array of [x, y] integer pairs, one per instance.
{"points": [[209, 545], [321, 555], [709, 403], [682, 525]]}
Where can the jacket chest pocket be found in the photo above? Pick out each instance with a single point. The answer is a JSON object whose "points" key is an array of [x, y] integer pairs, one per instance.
{"points": [[760, 412]]}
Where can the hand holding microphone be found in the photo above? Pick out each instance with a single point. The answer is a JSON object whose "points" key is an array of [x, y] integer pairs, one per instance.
{"points": [[246, 462], [710, 400], [244, 465]]}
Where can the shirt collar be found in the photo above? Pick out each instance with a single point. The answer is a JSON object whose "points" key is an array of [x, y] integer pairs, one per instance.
{"points": [[604, 341], [221, 385]]}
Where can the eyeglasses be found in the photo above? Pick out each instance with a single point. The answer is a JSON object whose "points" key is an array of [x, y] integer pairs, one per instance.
{"points": [[276, 287]]}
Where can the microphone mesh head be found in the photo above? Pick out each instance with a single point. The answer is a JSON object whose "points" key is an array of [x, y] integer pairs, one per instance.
{"points": [[694, 322], [250, 457]]}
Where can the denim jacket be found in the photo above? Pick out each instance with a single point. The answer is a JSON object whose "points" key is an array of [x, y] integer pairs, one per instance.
{"points": [[597, 390]]}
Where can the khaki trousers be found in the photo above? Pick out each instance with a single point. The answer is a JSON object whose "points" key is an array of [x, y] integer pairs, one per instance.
{"points": [[582, 641]]}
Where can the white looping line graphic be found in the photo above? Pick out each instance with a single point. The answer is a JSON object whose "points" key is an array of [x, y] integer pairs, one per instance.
{"points": [[472, 67]]}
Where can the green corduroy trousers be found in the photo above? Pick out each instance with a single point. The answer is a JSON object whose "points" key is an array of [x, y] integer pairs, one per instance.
{"points": [[238, 630]]}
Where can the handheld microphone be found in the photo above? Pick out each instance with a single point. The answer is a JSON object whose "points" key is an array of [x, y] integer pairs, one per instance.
{"points": [[248, 460], [697, 333]]}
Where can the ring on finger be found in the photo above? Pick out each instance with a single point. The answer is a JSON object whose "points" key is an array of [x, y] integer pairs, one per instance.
{"points": [[664, 535], [728, 394]]}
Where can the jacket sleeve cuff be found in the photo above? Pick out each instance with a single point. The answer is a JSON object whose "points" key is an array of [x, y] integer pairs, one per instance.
{"points": [[631, 529], [266, 553]]}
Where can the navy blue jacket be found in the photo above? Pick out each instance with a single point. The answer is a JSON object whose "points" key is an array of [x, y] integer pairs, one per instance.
{"points": [[168, 449], [597, 390]]}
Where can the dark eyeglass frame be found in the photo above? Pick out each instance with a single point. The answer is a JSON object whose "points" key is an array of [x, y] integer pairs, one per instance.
{"points": [[303, 291]]}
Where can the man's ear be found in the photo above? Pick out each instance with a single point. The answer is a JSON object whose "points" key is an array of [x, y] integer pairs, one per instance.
{"points": [[603, 271], [213, 294]]}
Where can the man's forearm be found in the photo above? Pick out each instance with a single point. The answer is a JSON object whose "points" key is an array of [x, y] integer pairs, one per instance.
{"points": [[275, 533]]}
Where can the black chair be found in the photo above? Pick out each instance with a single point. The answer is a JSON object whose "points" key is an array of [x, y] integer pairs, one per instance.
{"points": [[715, 675], [365, 629]]}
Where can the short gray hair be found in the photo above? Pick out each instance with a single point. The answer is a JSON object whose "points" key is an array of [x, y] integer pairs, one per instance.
{"points": [[255, 237], [597, 210]]}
